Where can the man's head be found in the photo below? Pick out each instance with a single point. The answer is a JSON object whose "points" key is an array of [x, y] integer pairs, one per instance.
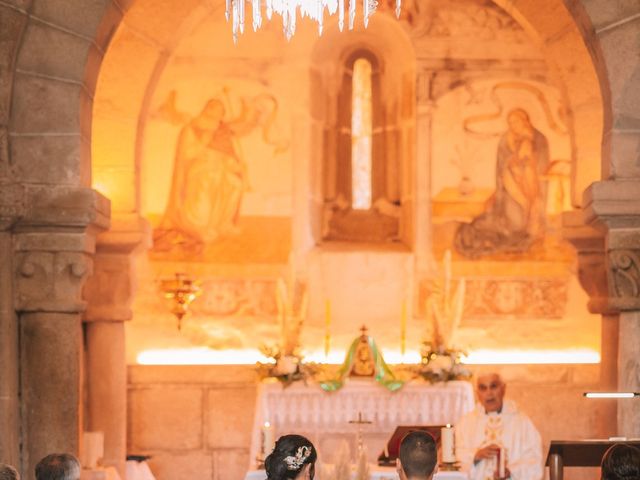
{"points": [[58, 466], [490, 389], [418, 456], [7, 472], [621, 462]]}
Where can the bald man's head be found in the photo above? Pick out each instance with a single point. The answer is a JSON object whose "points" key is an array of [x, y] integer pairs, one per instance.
{"points": [[490, 390]]}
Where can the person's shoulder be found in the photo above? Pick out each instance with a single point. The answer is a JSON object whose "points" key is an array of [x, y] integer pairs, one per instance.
{"points": [[469, 416], [511, 408], [519, 415]]}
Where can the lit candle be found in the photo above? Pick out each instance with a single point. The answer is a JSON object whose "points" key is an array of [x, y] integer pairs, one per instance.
{"points": [[502, 463], [327, 327], [403, 329], [447, 439], [267, 438]]}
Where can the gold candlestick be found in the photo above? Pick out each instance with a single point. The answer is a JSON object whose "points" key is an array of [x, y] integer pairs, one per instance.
{"points": [[327, 326], [403, 329]]}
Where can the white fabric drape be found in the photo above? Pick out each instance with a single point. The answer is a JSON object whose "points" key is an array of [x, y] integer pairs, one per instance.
{"points": [[311, 411], [517, 435]]}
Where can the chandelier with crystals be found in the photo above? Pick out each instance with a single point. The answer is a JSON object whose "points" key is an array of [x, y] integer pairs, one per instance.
{"points": [[288, 10]]}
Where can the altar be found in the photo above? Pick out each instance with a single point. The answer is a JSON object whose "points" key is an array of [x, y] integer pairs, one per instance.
{"points": [[324, 417]]}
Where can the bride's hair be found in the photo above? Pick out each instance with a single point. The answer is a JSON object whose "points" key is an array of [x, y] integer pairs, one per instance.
{"points": [[290, 455]]}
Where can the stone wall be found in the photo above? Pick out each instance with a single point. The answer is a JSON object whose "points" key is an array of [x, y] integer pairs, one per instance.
{"points": [[196, 421]]}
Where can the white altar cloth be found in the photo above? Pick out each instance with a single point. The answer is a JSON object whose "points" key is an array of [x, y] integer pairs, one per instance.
{"points": [[324, 417], [376, 473]]}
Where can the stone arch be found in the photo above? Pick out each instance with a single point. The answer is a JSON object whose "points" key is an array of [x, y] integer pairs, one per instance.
{"points": [[54, 57], [132, 65], [57, 55]]}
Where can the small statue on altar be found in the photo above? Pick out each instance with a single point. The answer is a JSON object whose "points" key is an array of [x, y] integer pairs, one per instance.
{"points": [[363, 359], [363, 364]]}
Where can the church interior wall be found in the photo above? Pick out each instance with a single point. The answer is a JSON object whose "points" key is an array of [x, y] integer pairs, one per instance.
{"points": [[32, 152], [199, 403], [280, 214], [239, 269]]}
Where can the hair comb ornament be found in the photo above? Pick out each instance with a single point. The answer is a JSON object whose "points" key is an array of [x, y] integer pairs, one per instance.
{"points": [[295, 462]]}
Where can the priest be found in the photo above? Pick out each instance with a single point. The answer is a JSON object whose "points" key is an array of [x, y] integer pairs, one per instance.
{"points": [[496, 441]]}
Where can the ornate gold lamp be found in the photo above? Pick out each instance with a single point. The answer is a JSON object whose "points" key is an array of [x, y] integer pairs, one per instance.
{"points": [[182, 291]]}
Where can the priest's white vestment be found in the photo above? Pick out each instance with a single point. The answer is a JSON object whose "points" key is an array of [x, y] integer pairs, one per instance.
{"points": [[510, 429]]}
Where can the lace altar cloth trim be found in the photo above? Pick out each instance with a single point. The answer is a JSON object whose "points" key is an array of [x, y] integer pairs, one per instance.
{"points": [[301, 408]]}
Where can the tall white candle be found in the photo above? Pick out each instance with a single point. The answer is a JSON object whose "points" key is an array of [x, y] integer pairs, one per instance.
{"points": [[502, 463], [267, 438], [447, 439]]}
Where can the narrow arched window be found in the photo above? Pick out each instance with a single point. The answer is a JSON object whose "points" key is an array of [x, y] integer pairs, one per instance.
{"points": [[361, 131], [361, 156]]}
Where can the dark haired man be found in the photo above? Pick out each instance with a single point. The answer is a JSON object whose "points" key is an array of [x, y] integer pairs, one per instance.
{"points": [[58, 466], [621, 462], [7, 472], [418, 457]]}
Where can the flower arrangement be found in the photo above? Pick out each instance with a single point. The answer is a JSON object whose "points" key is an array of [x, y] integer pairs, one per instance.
{"points": [[287, 364], [286, 368], [444, 308], [442, 364]]}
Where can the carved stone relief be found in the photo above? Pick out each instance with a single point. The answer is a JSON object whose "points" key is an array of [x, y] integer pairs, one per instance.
{"points": [[624, 266], [437, 19], [233, 297], [515, 297], [51, 281]]}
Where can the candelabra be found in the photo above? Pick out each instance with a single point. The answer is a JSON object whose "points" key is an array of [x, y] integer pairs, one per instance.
{"points": [[182, 291]]}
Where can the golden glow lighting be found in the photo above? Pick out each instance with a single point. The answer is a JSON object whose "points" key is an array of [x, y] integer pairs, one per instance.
{"points": [[200, 356], [205, 356], [524, 357]]}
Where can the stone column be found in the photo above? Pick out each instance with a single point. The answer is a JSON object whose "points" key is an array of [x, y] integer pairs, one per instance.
{"points": [[623, 254], [9, 384], [50, 270], [53, 247], [629, 373], [12, 207], [423, 262], [614, 206], [109, 293], [589, 243], [422, 182]]}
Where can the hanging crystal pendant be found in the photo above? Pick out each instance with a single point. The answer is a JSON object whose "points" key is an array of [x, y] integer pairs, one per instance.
{"points": [[288, 10]]}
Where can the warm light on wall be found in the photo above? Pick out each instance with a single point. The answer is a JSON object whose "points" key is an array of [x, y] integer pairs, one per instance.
{"points": [[100, 187], [200, 356], [507, 357], [205, 356], [336, 357]]}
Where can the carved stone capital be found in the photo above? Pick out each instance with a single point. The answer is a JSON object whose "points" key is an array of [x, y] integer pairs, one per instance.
{"points": [[589, 243], [606, 234], [50, 271], [612, 204], [110, 290], [624, 278], [54, 243]]}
